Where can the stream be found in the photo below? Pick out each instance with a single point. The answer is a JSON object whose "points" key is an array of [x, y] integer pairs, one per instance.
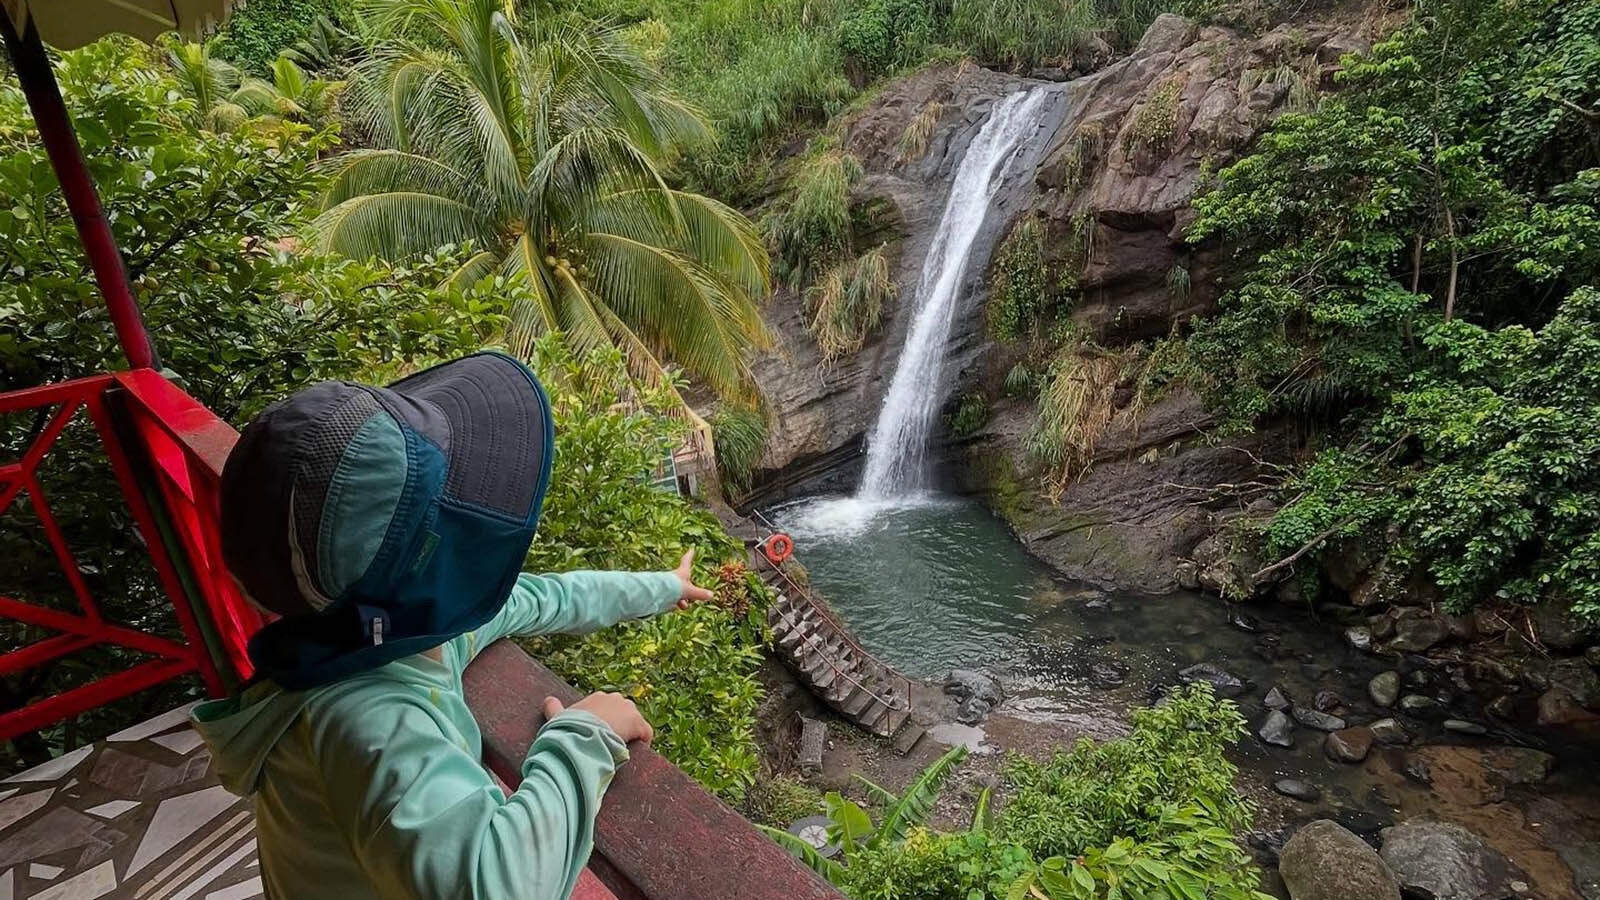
{"points": [[935, 582]]}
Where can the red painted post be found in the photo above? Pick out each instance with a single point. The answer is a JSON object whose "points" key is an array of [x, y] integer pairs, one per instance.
{"points": [[66, 157]]}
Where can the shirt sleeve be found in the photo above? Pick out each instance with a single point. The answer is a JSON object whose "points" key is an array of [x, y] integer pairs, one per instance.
{"points": [[427, 822], [576, 603]]}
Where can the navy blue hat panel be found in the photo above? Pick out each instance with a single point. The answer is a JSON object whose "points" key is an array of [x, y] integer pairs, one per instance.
{"points": [[500, 427], [259, 484]]}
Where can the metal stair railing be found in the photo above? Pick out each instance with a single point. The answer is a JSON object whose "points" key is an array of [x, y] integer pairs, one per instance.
{"points": [[799, 594]]}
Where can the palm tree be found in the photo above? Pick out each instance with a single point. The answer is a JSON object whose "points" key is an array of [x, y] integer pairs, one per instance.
{"points": [[539, 140], [223, 98]]}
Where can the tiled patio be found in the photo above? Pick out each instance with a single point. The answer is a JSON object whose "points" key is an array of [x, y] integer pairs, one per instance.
{"points": [[138, 816]]}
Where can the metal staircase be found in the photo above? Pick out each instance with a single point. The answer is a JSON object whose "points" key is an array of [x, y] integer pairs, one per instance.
{"points": [[829, 660]]}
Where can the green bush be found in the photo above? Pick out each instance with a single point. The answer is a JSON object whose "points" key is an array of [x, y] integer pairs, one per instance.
{"points": [[692, 673], [882, 35], [261, 29], [1149, 815], [1098, 792], [1385, 249], [970, 415], [1020, 288]]}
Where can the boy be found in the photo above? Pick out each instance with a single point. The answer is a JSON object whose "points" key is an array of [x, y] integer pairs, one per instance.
{"points": [[387, 528]]}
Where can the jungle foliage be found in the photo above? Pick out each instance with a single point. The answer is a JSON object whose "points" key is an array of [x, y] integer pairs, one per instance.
{"points": [[1148, 815], [208, 211], [1415, 270]]}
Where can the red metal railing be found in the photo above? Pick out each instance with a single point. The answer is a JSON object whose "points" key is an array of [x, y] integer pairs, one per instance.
{"points": [[165, 451]]}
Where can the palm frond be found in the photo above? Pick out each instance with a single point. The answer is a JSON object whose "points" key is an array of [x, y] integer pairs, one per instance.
{"points": [[880, 796], [916, 803], [359, 173], [827, 868], [981, 813], [398, 224]]}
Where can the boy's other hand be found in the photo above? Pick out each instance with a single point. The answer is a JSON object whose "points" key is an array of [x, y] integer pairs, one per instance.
{"points": [[615, 710], [692, 593]]}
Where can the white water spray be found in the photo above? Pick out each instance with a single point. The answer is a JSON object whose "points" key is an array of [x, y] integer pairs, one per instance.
{"points": [[897, 448]]}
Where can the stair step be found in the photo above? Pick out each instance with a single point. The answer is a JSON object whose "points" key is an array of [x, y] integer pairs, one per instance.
{"points": [[908, 737], [858, 699], [822, 679], [874, 716]]}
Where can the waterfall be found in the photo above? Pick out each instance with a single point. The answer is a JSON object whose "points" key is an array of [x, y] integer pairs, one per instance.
{"points": [[897, 449]]}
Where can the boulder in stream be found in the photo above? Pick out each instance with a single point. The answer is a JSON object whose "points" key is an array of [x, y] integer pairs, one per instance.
{"points": [[1348, 745], [1225, 683], [1388, 731], [1277, 730], [1297, 790], [1416, 630], [976, 692], [1276, 699], [1359, 637], [1444, 861], [1384, 688], [1325, 861], [1311, 718]]}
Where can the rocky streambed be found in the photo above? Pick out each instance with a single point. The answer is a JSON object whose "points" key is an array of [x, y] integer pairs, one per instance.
{"points": [[1392, 749]]}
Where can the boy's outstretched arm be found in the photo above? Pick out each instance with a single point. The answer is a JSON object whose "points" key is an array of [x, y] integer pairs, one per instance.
{"points": [[427, 822], [585, 601]]}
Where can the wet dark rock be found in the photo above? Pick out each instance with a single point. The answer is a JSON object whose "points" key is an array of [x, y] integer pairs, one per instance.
{"points": [[1558, 628], [1327, 701], [976, 692], [1225, 683], [1325, 861], [1244, 622], [1108, 674], [1416, 630], [1267, 846], [1592, 656], [1364, 822], [1297, 790], [1419, 704], [1098, 603], [1275, 699], [1311, 718], [1187, 574], [1417, 770], [1359, 637], [1583, 858], [1388, 731], [1462, 726], [1520, 765], [1268, 648], [1382, 627], [1351, 745], [1557, 706], [1579, 679], [1277, 730], [1502, 707], [1384, 688], [1444, 861]]}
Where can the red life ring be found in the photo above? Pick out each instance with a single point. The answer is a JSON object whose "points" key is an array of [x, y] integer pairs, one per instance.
{"points": [[778, 548]]}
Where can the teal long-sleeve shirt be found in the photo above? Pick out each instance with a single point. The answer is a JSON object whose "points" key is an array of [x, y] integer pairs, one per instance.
{"points": [[372, 787]]}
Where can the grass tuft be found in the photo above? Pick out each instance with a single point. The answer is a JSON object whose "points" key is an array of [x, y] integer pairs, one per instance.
{"points": [[847, 303], [914, 140], [811, 230], [1075, 406]]}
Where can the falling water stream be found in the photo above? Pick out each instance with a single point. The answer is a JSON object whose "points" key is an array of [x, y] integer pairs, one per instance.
{"points": [[897, 450]]}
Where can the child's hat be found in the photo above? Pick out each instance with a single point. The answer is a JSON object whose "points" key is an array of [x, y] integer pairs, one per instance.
{"points": [[381, 522]]}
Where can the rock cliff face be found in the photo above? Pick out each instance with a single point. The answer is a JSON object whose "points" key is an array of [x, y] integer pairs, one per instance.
{"points": [[1126, 150]]}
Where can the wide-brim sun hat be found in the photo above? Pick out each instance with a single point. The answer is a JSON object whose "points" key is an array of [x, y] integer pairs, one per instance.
{"points": [[381, 522]]}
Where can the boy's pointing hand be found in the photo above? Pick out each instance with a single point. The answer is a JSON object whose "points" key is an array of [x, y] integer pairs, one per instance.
{"points": [[692, 593]]}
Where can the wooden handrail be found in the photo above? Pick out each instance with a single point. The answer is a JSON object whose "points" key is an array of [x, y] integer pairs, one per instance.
{"points": [[659, 835]]}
